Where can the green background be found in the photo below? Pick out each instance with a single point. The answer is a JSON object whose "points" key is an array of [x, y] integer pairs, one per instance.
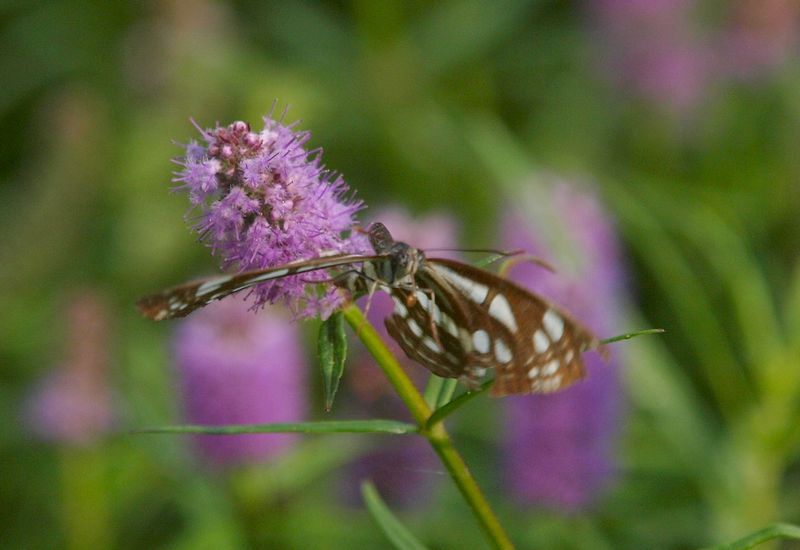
{"points": [[434, 106]]}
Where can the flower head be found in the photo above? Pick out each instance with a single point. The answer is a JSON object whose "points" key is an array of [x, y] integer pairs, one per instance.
{"points": [[238, 368], [265, 200], [560, 446], [72, 404]]}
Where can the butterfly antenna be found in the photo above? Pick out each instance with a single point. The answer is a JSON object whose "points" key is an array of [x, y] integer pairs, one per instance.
{"points": [[496, 252]]}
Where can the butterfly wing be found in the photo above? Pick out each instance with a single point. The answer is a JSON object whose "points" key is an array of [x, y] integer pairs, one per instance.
{"points": [[430, 323], [181, 300], [534, 346]]}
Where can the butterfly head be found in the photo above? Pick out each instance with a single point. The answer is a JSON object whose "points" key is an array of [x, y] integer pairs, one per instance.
{"points": [[402, 260]]}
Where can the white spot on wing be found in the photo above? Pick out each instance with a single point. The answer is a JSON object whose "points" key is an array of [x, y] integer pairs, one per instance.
{"points": [[568, 357], [422, 298], [553, 324], [501, 310], [431, 344], [436, 313], [275, 274], [501, 351], [475, 290], [551, 384], [480, 338], [540, 341], [449, 325], [533, 373], [550, 367], [211, 285], [478, 372], [415, 328], [466, 341], [399, 307]]}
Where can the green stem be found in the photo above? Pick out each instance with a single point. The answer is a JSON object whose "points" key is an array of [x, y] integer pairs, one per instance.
{"points": [[391, 368], [437, 435]]}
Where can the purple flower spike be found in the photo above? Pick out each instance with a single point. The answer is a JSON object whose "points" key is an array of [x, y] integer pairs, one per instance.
{"points": [[559, 447], [265, 200], [763, 35], [72, 404], [653, 50], [239, 368]]}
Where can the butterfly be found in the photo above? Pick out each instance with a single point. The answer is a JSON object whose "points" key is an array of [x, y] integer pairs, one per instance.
{"points": [[457, 320]]}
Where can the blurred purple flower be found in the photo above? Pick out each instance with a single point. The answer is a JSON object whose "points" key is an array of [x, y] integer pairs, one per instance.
{"points": [[238, 368], [560, 447], [653, 50], [400, 469], [265, 200], [763, 34], [72, 404]]}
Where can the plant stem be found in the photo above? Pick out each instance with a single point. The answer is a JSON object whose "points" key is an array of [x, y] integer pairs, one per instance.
{"points": [[436, 435]]}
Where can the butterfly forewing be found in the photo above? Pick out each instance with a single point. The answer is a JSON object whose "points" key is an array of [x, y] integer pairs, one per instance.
{"points": [[182, 300]]}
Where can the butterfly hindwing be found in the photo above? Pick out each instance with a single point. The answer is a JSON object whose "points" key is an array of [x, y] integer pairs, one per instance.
{"points": [[533, 345]]}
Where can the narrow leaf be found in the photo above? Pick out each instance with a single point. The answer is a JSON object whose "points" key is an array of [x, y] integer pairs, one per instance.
{"points": [[439, 391], [397, 533], [779, 530], [329, 426], [332, 349], [630, 335], [449, 408], [432, 389], [446, 392]]}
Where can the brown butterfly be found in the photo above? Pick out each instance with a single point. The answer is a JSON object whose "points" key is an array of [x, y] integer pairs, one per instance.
{"points": [[457, 320]]}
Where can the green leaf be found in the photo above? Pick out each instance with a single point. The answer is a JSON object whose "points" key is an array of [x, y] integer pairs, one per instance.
{"points": [[397, 533], [446, 392], [329, 426], [630, 335], [439, 391], [450, 407], [779, 530], [432, 390], [332, 348]]}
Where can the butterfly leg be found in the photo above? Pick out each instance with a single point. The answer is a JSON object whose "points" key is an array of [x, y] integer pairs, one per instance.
{"points": [[373, 287]]}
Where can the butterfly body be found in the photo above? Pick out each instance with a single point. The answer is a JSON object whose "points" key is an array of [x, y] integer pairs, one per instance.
{"points": [[457, 320]]}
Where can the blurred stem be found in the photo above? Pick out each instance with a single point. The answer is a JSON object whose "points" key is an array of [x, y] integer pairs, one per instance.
{"points": [[436, 434], [83, 496], [776, 531]]}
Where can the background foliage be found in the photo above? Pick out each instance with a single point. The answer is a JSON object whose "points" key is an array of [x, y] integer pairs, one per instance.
{"points": [[441, 106]]}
